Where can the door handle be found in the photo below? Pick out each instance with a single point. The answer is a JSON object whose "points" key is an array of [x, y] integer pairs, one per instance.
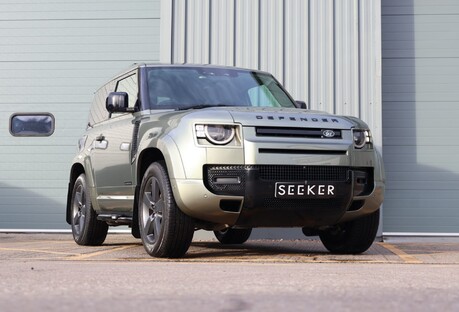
{"points": [[100, 142]]}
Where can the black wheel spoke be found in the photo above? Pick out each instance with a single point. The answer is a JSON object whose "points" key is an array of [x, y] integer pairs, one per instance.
{"points": [[78, 199], [150, 225], [155, 190], [147, 202], [76, 218], [157, 224], [81, 222], [159, 206]]}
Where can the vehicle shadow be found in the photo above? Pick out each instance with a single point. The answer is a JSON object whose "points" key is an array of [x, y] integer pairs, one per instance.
{"points": [[258, 249]]}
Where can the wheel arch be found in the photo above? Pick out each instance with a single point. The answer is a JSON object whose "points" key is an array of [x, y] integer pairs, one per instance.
{"points": [[75, 172], [147, 157]]}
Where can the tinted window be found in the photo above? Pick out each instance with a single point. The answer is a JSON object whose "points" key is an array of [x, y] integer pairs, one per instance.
{"points": [[23, 124], [181, 87], [260, 96], [98, 111], [129, 85]]}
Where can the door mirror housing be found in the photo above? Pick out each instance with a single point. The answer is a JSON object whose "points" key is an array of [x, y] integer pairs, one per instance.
{"points": [[301, 104], [118, 102]]}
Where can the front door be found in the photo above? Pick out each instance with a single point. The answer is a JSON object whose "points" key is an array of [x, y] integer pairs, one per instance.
{"points": [[111, 154]]}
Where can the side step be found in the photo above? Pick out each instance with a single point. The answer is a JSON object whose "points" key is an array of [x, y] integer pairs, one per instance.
{"points": [[113, 219]]}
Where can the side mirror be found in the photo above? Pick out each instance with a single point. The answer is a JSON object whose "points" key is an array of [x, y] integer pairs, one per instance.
{"points": [[117, 102], [301, 104]]}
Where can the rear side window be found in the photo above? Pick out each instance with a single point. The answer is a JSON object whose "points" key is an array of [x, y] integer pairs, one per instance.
{"points": [[98, 112], [32, 124], [129, 85]]}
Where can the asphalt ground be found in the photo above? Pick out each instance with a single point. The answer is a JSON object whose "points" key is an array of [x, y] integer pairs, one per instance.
{"points": [[49, 272], [124, 247]]}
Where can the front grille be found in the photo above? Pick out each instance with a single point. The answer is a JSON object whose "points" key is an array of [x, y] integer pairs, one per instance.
{"points": [[313, 133], [299, 151], [279, 173], [269, 173]]}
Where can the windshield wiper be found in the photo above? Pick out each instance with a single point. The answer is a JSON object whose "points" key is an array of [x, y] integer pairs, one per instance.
{"points": [[199, 106]]}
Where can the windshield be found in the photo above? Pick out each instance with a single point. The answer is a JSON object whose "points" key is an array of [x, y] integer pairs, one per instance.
{"points": [[198, 87]]}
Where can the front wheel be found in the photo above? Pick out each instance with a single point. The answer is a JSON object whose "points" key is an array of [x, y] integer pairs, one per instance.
{"points": [[233, 236], [352, 237], [86, 229], [164, 229]]}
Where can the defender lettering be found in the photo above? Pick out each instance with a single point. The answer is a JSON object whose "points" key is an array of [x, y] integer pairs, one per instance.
{"points": [[270, 117]]}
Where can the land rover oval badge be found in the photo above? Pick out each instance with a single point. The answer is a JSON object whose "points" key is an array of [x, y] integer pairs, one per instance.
{"points": [[328, 133]]}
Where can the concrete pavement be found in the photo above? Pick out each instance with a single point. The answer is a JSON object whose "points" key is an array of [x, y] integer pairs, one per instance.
{"points": [[124, 247], [49, 272]]}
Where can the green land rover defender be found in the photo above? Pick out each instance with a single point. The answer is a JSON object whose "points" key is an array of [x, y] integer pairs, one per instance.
{"points": [[170, 149]]}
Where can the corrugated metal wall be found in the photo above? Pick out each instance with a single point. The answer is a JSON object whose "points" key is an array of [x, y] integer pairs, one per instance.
{"points": [[53, 56], [421, 113], [326, 52]]}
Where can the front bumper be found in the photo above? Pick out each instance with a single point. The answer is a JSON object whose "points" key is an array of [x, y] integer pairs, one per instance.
{"points": [[244, 195]]}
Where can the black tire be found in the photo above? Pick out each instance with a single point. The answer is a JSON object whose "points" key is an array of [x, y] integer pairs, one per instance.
{"points": [[86, 229], [233, 236], [352, 237], [165, 230]]}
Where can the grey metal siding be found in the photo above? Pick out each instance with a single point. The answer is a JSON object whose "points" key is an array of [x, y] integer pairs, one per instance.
{"points": [[53, 56], [420, 115]]}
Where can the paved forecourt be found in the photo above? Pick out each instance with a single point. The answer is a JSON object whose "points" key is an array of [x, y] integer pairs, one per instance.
{"points": [[124, 247]]}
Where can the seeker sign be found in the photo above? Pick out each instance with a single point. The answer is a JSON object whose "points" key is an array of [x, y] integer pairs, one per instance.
{"points": [[304, 190]]}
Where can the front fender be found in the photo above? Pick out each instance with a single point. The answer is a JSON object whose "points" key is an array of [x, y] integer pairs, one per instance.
{"points": [[172, 156], [170, 152]]}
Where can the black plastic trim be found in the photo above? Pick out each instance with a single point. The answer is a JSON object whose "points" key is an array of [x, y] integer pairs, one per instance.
{"points": [[299, 152], [296, 132]]}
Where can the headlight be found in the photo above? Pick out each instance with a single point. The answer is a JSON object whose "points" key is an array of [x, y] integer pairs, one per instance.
{"points": [[361, 137], [216, 134]]}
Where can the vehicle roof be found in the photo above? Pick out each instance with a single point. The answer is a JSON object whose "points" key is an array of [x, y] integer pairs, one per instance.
{"points": [[194, 65], [138, 65]]}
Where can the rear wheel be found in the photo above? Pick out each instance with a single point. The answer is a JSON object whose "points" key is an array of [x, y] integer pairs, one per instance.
{"points": [[233, 236], [351, 237], [86, 229], [164, 229]]}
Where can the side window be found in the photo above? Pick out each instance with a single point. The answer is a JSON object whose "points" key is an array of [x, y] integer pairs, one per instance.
{"points": [[129, 85], [32, 124], [261, 96], [98, 111]]}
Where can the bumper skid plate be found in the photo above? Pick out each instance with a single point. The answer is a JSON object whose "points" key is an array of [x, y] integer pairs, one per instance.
{"points": [[292, 196]]}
